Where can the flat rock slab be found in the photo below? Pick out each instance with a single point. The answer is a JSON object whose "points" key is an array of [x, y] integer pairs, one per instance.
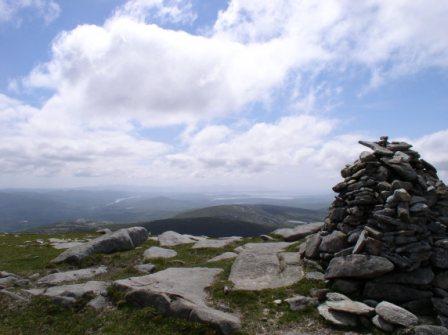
{"points": [[120, 240], [263, 247], [299, 232], [337, 318], [180, 292], [216, 243], [262, 266], [75, 291], [189, 283], [60, 277], [351, 307], [224, 256], [156, 252], [59, 243], [358, 266], [171, 239], [396, 315]]}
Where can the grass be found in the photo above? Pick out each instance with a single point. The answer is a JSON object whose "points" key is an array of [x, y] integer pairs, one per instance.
{"points": [[259, 313]]}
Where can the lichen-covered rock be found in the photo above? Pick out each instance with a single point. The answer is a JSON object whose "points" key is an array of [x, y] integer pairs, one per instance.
{"points": [[396, 315], [358, 266]]}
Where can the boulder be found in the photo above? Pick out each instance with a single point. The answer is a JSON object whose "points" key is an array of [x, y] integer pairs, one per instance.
{"points": [[171, 239], [333, 242], [441, 280], [156, 252], [262, 266], [395, 314], [74, 275], [358, 266], [120, 240], [299, 232]]}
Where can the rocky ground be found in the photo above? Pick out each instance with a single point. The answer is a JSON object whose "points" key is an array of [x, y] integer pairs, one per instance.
{"points": [[127, 282]]}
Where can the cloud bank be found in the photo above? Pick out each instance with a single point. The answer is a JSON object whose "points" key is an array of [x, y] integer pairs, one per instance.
{"points": [[111, 81]]}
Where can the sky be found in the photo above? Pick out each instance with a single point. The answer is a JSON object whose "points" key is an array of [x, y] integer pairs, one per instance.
{"points": [[268, 95]]}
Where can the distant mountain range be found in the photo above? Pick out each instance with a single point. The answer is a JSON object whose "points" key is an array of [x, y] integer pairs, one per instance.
{"points": [[267, 215], [27, 209]]}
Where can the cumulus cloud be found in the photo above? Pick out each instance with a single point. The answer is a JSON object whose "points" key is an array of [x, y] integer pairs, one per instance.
{"points": [[49, 10], [175, 11], [108, 81]]}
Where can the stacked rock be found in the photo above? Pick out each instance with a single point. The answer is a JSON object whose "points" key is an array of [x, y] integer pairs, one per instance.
{"points": [[385, 237]]}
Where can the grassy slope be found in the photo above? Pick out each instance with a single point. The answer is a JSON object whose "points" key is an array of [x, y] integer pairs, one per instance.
{"points": [[257, 309]]}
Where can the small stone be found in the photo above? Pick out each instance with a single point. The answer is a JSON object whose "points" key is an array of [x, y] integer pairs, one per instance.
{"points": [[156, 252], [395, 314], [382, 324], [337, 318], [145, 268], [300, 302], [441, 280]]}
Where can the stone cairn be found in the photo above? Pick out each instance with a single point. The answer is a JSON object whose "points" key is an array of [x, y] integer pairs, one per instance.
{"points": [[385, 237]]}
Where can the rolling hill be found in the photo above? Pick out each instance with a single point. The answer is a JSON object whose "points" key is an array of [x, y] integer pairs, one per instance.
{"points": [[268, 215]]}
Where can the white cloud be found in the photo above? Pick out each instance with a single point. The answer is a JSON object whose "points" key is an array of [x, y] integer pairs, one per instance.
{"points": [[108, 78], [175, 11], [10, 10]]}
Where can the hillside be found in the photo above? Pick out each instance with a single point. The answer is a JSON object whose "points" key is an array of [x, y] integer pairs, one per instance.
{"points": [[268, 215], [209, 226]]}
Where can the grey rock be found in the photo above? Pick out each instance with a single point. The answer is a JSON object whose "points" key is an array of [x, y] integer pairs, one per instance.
{"points": [[156, 252], [171, 294], [224, 256], [351, 307], [394, 292], [441, 280], [440, 305], [299, 232], [145, 268], [429, 330], [13, 296], [333, 242], [73, 291], [171, 239], [99, 303], [334, 296], [382, 324], [74, 275], [315, 275], [358, 266], [262, 265], [266, 238], [337, 318], [378, 149], [350, 287], [300, 302], [216, 243], [312, 245], [422, 276], [395, 314], [121, 240], [439, 258]]}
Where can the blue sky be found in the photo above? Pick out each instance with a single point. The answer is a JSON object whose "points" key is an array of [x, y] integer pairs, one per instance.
{"points": [[215, 94]]}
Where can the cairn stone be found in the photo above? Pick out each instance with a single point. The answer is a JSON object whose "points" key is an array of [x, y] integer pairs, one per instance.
{"points": [[387, 229]]}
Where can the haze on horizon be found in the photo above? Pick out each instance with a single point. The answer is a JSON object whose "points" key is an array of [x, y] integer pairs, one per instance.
{"points": [[235, 95]]}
